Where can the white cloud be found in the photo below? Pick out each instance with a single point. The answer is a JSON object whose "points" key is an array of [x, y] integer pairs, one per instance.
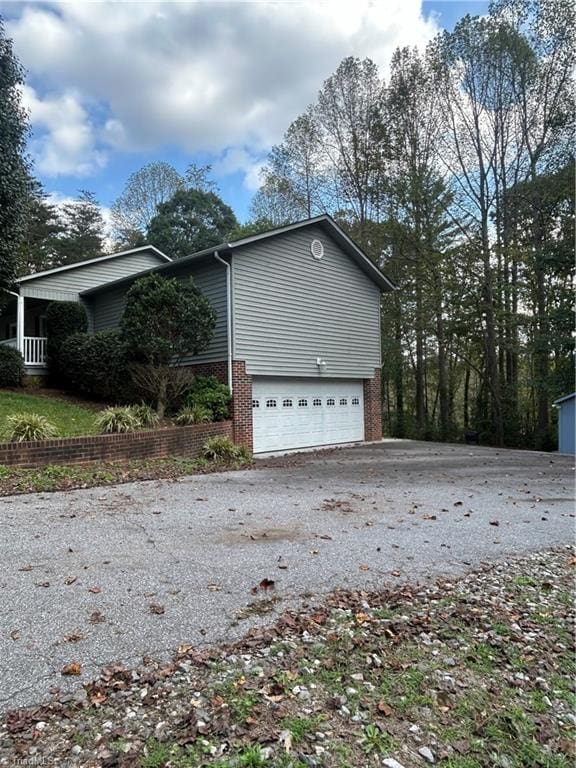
{"points": [[199, 76], [239, 159], [64, 140]]}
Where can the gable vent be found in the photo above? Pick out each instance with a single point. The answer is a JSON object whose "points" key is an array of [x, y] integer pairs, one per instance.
{"points": [[317, 249]]}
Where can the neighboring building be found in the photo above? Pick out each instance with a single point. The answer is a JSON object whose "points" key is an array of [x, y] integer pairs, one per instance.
{"points": [[297, 335], [566, 423]]}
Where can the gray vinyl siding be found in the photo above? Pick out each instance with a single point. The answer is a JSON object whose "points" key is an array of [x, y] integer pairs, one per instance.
{"points": [[290, 309], [107, 307], [66, 285], [210, 278]]}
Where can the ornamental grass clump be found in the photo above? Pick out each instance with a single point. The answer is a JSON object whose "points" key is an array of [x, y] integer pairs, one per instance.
{"points": [[195, 414], [116, 420], [146, 416], [21, 427], [222, 449]]}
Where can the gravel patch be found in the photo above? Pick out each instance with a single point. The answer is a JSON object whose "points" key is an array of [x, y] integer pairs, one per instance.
{"points": [[474, 671]]}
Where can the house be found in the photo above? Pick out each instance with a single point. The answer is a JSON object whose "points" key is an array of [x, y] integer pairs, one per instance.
{"points": [[566, 423], [297, 336], [23, 321]]}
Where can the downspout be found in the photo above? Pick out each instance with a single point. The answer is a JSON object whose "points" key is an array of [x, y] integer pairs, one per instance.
{"points": [[228, 313]]}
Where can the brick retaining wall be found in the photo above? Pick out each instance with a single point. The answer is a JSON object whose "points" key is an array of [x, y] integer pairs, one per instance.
{"points": [[147, 444]]}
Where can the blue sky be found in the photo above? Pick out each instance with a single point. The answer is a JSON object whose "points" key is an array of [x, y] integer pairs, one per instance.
{"points": [[112, 86]]}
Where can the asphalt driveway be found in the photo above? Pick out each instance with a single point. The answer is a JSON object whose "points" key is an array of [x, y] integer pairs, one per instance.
{"points": [[108, 574]]}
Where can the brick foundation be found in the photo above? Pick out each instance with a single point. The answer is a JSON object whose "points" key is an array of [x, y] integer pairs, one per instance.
{"points": [[373, 407], [147, 444], [242, 405]]}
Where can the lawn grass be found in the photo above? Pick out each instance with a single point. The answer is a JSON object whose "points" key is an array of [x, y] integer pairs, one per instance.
{"points": [[69, 418]]}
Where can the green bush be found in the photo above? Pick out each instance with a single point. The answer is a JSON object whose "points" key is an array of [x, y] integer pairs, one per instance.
{"points": [[224, 450], [194, 414], [11, 367], [145, 415], [21, 427], [95, 365], [208, 392], [117, 419], [63, 319]]}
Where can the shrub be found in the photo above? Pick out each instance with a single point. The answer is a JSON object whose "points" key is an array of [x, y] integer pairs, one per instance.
{"points": [[223, 449], [21, 427], [208, 392], [63, 319], [164, 320], [117, 419], [11, 367], [194, 414], [146, 416], [95, 365]]}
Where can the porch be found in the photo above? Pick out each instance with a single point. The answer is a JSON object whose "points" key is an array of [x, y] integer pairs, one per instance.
{"points": [[23, 327], [33, 351]]}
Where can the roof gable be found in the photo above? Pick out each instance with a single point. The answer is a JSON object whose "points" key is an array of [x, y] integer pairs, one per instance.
{"points": [[325, 221], [88, 262]]}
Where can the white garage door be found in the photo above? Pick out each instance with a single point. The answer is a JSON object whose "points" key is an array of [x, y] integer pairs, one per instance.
{"points": [[301, 413]]}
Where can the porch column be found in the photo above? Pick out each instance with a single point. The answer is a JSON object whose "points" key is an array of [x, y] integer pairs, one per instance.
{"points": [[20, 325]]}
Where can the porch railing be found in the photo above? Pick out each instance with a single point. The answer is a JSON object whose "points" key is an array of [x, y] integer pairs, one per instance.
{"points": [[34, 349]]}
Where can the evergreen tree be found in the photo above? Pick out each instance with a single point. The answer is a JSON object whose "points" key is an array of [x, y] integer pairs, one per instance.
{"points": [[14, 170], [83, 236]]}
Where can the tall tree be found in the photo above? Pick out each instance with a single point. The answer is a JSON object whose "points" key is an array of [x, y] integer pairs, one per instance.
{"points": [[144, 191], [83, 236], [14, 166], [190, 221], [40, 247], [349, 118], [198, 177]]}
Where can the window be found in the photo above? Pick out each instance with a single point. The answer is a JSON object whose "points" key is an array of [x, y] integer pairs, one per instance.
{"points": [[355, 401], [255, 403], [302, 403], [330, 401], [270, 403], [317, 401], [287, 403], [343, 401]]}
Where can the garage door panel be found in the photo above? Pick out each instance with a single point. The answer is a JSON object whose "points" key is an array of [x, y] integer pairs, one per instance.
{"points": [[302, 413]]}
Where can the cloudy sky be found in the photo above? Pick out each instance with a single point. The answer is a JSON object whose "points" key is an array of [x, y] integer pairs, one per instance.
{"points": [[114, 85]]}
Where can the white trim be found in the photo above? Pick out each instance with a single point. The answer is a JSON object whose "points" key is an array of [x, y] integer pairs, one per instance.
{"points": [[94, 261]]}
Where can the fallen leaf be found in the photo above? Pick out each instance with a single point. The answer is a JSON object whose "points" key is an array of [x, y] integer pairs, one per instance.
{"points": [[384, 708], [156, 608], [95, 590], [72, 669], [96, 618]]}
